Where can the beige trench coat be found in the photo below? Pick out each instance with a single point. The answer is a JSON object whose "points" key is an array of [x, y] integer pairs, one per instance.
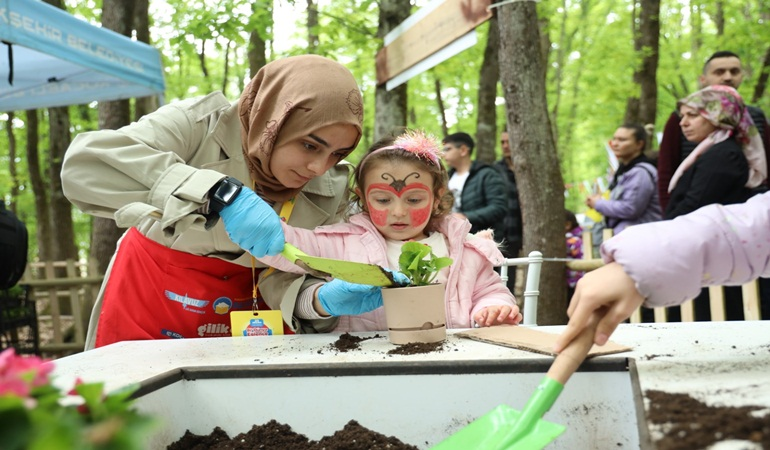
{"points": [[155, 174]]}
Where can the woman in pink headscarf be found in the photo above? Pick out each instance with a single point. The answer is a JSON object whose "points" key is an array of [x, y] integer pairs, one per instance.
{"points": [[729, 162]]}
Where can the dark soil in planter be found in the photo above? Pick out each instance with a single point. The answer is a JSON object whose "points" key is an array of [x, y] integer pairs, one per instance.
{"points": [[694, 424], [278, 436]]}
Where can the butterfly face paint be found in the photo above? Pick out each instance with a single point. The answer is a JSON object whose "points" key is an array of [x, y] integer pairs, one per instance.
{"points": [[400, 200]]}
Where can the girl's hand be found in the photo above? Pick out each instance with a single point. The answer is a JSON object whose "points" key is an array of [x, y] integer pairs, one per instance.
{"points": [[498, 315], [607, 290]]}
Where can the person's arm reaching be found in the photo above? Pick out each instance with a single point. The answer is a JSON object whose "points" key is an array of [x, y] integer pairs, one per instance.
{"points": [[607, 287], [667, 262]]}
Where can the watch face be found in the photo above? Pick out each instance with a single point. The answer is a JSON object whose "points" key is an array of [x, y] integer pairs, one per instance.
{"points": [[224, 193]]}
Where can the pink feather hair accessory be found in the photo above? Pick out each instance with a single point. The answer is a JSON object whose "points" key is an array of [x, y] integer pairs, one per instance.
{"points": [[419, 143]]}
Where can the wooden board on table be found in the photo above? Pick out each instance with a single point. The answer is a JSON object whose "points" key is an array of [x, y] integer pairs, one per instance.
{"points": [[530, 339]]}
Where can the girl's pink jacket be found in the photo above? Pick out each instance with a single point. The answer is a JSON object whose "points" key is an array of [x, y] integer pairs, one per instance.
{"points": [[472, 283], [716, 245]]}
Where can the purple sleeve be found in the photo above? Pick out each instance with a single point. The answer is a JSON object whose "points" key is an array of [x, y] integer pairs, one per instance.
{"points": [[638, 188], [671, 260]]}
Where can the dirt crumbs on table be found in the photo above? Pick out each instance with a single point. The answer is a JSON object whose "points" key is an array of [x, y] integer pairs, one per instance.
{"points": [[275, 435], [348, 342], [416, 348], [687, 423]]}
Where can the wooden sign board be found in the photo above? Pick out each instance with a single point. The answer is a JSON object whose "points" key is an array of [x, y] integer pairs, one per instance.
{"points": [[440, 27]]}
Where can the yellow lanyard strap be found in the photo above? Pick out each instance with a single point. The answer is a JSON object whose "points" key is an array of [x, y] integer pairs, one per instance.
{"points": [[286, 210]]}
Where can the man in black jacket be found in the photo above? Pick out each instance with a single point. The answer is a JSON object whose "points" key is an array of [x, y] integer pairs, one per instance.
{"points": [[513, 223], [479, 189]]}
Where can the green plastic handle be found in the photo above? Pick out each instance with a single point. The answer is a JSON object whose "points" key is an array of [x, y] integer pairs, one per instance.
{"points": [[291, 252]]}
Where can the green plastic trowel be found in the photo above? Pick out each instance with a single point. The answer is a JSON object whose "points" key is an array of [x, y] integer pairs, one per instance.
{"points": [[505, 428], [361, 273]]}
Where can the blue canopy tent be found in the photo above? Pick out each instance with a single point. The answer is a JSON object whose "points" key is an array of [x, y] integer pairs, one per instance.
{"points": [[50, 58]]}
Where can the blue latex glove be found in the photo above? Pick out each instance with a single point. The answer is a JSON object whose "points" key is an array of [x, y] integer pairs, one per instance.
{"points": [[340, 298], [253, 225]]}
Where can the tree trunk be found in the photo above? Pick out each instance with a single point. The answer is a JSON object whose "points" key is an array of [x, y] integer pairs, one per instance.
{"points": [[42, 211], [61, 209], [12, 169], [257, 47], [646, 45], [143, 105], [719, 17], [696, 22], [117, 16], [486, 120], [202, 59], [390, 106], [312, 27], [226, 68], [440, 105], [541, 188], [764, 72]]}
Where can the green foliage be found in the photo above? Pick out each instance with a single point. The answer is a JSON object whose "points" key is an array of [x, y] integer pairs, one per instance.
{"points": [[590, 65], [35, 415], [418, 262]]}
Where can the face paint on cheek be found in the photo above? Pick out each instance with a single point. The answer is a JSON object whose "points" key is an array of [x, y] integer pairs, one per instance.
{"points": [[379, 217], [420, 216]]}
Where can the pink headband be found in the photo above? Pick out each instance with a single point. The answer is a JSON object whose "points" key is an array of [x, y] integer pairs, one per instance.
{"points": [[418, 143]]}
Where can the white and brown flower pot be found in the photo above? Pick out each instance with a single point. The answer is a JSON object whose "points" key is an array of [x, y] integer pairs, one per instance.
{"points": [[415, 313]]}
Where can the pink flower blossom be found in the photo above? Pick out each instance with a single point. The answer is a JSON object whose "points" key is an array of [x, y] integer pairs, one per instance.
{"points": [[20, 374]]}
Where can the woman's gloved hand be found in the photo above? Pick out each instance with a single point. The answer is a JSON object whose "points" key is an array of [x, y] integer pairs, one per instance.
{"points": [[340, 298], [253, 225]]}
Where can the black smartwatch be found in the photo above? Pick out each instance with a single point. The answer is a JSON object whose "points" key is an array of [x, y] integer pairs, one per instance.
{"points": [[223, 193]]}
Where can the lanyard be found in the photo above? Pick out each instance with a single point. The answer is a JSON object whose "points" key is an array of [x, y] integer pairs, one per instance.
{"points": [[286, 210]]}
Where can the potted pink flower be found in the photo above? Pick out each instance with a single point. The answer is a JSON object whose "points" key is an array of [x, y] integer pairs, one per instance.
{"points": [[34, 414]]}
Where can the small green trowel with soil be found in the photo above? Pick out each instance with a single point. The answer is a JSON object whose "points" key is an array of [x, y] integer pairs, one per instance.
{"points": [[361, 273], [505, 428]]}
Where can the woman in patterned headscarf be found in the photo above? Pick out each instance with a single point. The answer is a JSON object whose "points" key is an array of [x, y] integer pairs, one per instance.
{"points": [[728, 165], [179, 271]]}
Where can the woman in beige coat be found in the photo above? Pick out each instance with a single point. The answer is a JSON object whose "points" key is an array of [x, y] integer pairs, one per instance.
{"points": [[179, 271]]}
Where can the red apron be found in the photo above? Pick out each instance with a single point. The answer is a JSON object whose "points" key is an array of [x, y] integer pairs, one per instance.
{"points": [[155, 292]]}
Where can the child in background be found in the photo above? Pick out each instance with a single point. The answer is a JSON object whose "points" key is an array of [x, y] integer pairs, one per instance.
{"points": [[401, 189], [574, 235]]}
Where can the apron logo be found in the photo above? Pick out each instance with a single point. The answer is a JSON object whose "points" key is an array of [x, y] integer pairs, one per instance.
{"points": [[171, 334], [222, 305], [187, 302], [213, 329]]}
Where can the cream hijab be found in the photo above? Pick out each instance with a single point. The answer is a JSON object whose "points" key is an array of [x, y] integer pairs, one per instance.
{"points": [[290, 98], [724, 108]]}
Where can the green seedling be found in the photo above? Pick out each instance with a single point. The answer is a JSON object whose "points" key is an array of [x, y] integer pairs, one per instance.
{"points": [[420, 264]]}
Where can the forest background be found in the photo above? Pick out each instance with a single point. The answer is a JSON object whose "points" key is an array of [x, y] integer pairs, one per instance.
{"points": [[602, 62]]}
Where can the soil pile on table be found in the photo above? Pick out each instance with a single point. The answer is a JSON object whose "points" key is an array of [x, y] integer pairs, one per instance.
{"points": [[415, 348], [348, 342], [275, 435], [688, 423]]}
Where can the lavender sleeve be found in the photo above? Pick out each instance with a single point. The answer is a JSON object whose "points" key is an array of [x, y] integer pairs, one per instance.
{"points": [[638, 188], [715, 245]]}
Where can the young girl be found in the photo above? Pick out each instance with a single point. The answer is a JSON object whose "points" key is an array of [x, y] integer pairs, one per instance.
{"points": [[401, 190], [574, 235]]}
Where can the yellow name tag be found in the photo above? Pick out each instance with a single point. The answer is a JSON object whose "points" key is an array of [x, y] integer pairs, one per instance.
{"points": [[256, 323]]}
